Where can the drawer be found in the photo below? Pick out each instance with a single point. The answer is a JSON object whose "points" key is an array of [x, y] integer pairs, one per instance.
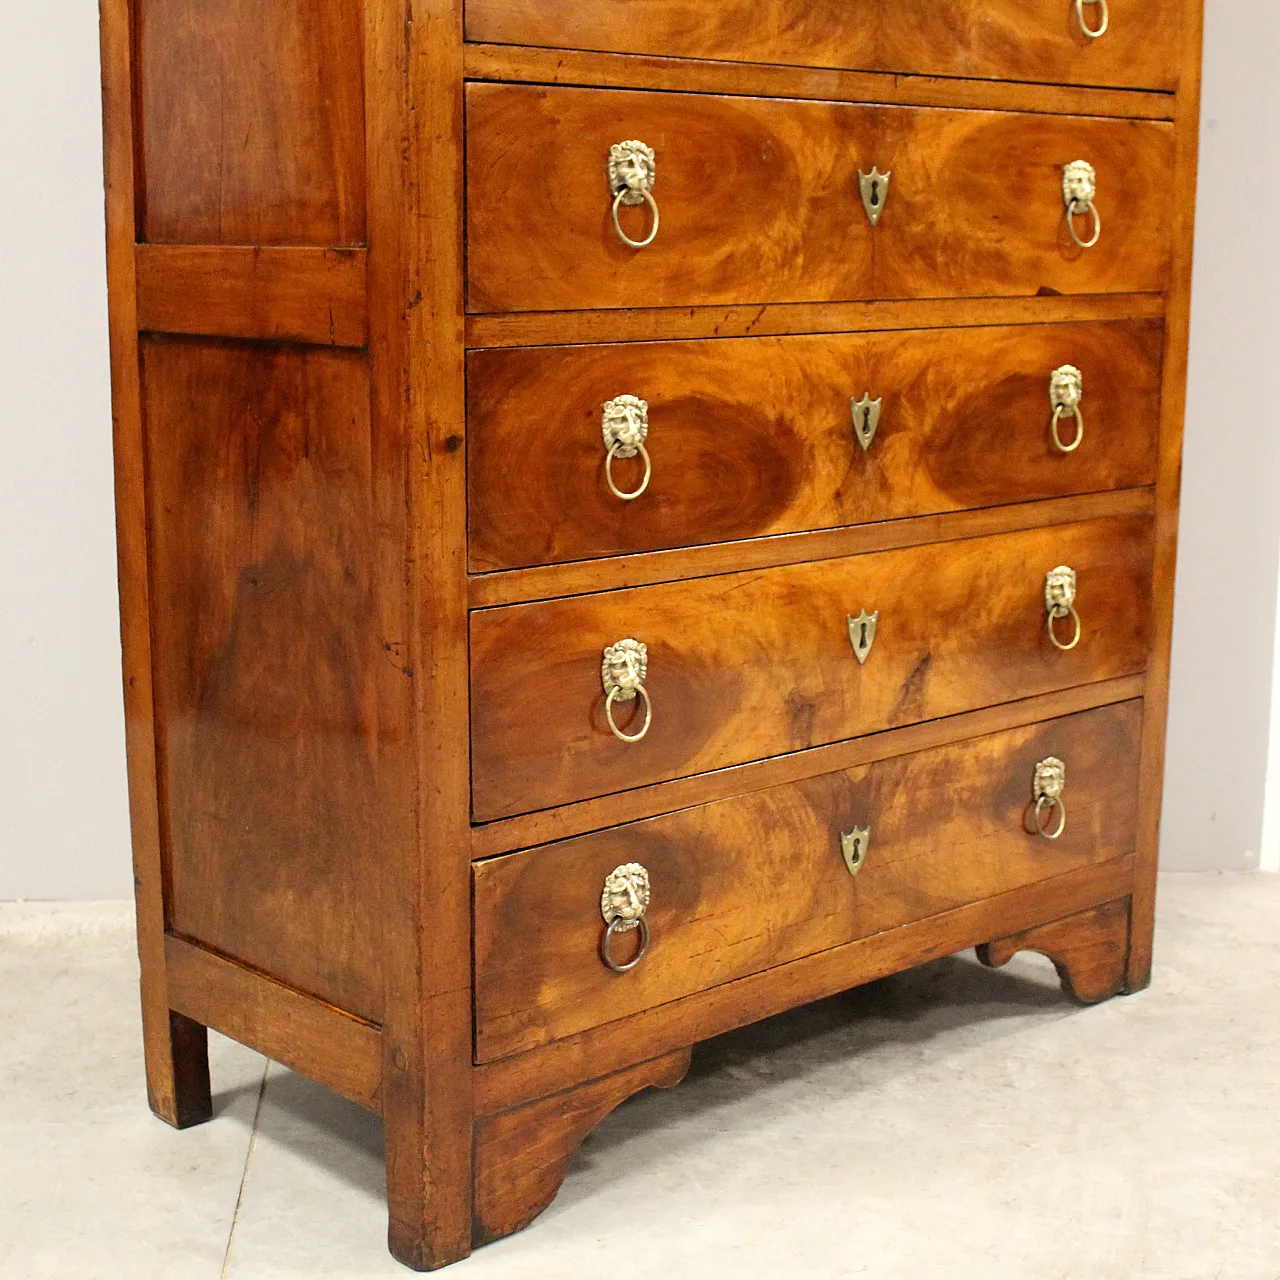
{"points": [[760, 201], [1037, 40], [745, 884], [749, 665], [755, 436]]}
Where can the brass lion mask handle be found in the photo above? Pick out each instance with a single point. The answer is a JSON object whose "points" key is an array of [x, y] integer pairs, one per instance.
{"points": [[624, 903], [623, 673], [1079, 187], [1060, 602], [1047, 786], [1104, 18], [1066, 390], [625, 424], [633, 170]]}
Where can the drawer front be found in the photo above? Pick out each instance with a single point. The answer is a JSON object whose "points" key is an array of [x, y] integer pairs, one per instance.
{"points": [[745, 666], [755, 436], [745, 884], [759, 201], [1037, 40]]}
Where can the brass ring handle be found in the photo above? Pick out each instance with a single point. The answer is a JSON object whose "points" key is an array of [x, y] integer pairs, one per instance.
{"points": [[608, 473], [614, 695], [624, 902], [606, 946], [1079, 187], [653, 231], [1047, 785], [1101, 29], [1045, 806], [1060, 602], [1062, 411]]}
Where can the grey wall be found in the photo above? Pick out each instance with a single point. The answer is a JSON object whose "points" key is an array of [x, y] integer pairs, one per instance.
{"points": [[63, 827], [1224, 627]]}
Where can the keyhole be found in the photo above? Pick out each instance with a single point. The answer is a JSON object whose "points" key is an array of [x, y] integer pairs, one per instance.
{"points": [[857, 851], [866, 418], [875, 193], [862, 644]]}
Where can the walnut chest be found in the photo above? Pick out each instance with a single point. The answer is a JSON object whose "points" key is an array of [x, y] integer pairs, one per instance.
{"points": [[633, 515]]}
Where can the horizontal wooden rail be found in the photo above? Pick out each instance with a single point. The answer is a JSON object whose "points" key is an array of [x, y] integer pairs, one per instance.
{"points": [[278, 294], [333, 1048]]}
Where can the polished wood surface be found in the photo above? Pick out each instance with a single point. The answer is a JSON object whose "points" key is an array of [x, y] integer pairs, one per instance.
{"points": [[753, 436], [760, 202], [323, 1043], [771, 80], [1037, 40], [266, 657], [754, 665], [747, 884], [1089, 950], [523, 1154], [285, 294], [610, 1046], [251, 122]]}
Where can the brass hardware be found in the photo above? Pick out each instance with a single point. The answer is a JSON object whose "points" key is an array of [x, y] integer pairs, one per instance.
{"points": [[854, 845], [633, 171], [1060, 602], [1046, 788], [1101, 29], [1066, 389], [626, 424], [1079, 186], [862, 633], [874, 187], [866, 418], [624, 903], [623, 673]]}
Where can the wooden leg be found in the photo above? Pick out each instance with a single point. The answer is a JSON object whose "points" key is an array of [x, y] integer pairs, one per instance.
{"points": [[522, 1156], [1090, 951], [178, 1071]]}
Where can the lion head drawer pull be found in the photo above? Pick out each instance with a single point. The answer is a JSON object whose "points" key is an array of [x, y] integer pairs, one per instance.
{"points": [[1060, 602], [623, 673], [854, 845], [624, 904], [874, 187], [1047, 787], [1103, 15], [626, 425], [1066, 390], [1079, 186], [633, 170]]}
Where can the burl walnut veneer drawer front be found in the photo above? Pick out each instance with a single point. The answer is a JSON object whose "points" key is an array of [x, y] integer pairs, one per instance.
{"points": [[760, 201], [1041, 40], [750, 665], [745, 884], [756, 436]]}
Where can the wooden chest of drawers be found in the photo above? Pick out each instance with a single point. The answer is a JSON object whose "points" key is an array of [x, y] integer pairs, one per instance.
{"points": [[633, 516]]}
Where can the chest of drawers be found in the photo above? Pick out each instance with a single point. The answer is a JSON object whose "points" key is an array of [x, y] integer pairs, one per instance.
{"points": [[633, 516]]}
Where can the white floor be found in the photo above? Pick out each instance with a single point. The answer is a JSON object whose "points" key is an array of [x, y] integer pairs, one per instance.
{"points": [[950, 1124]]}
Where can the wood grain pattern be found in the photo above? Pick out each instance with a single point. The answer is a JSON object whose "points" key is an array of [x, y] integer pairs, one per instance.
{"points": [[267, 657], [283, 294], [1037, 40], [770, 80], [757, 881], [176, 1049], [1089, 950], [323, 1043], [251, 121], [613, 1045], [523, 1154], [753, 436], [760, 201], [753, 665], [1173, 409]]}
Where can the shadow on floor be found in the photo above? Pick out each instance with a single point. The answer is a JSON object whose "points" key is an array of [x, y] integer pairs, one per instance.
{"points": [[869, 1023]]}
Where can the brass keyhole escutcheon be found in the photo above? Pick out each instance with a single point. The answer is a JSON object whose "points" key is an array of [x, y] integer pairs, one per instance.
{"points": [[862, 633], [874, 189], [853, 846], [866, 418]]}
